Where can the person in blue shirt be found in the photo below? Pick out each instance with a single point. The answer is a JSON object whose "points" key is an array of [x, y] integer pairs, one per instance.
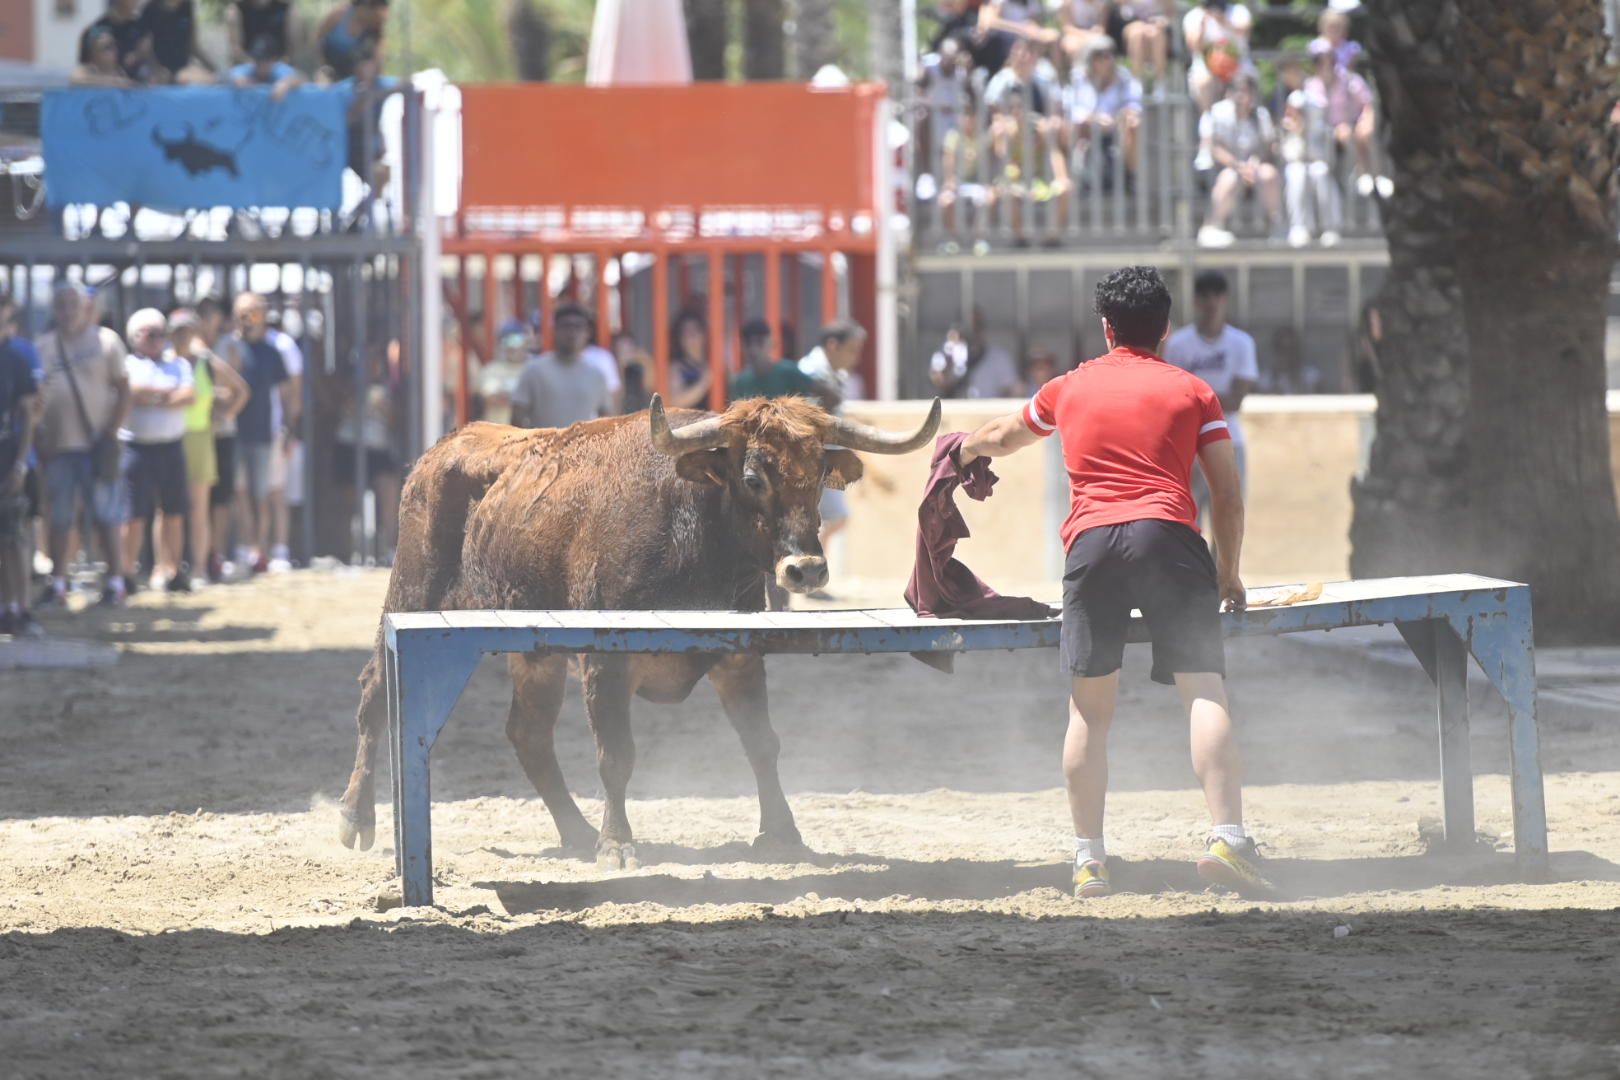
{"points": [[265, 68], [19, 416]]}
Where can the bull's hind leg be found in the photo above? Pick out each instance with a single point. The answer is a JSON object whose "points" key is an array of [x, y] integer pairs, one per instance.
{"points": [[357, 820], [607, 703], [741, 682], [538, 683]]}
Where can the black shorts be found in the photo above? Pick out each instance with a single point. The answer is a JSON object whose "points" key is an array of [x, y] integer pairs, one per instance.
{"points": [[156, 475], [1162, 568], [224, 490]]}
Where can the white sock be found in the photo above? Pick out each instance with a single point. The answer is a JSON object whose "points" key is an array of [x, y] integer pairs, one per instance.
{"points": [[1089, 850], [1232, 834]]}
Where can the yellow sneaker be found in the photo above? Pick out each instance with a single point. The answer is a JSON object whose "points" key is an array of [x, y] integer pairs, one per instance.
{"points": [[1091, 879], [1235, 867]]}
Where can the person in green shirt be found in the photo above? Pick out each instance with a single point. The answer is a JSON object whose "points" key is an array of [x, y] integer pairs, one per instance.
{"points": [[762, 375]]}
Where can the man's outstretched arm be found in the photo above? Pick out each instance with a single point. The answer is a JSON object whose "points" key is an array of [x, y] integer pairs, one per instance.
{"points": [[998, 438]]}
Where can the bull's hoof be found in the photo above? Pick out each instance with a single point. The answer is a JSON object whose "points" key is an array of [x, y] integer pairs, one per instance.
{"points": [[352, 832], [613, 855], [780, 847], [581, 840]]}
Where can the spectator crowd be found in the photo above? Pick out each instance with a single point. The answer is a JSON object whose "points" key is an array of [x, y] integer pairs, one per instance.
{"points": [[1059, 88]]}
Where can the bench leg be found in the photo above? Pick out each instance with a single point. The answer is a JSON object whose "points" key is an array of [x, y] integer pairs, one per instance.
{"points": [[423, 686], [1456, 761]]}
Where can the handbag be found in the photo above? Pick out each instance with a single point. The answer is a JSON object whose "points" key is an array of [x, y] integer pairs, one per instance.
{"points": [[105, 452]]}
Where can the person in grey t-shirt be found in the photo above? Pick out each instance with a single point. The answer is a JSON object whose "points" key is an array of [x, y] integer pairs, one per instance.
{"points": [[559, 388]]}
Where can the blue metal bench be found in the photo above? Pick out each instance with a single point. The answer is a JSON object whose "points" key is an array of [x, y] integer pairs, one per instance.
{"points": [[431, 655]]}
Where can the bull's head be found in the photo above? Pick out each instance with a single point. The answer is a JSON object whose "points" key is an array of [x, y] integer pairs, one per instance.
{"points": [[773, 457]]}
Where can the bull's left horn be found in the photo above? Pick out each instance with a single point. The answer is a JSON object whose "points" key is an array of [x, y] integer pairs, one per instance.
{"points": [[706, 434], [873, 440]]}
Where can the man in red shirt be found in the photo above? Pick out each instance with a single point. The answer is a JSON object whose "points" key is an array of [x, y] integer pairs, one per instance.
{"points": [[1131, 425]]}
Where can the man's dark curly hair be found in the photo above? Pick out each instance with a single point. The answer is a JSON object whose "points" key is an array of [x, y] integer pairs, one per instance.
{"points": [[1136, 304]]}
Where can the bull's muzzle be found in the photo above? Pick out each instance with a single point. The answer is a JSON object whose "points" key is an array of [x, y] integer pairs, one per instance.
{"points": [[801, 573]]}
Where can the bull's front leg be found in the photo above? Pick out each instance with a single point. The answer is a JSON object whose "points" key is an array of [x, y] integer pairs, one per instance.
{"points": [[740, 679], [608, 689]]}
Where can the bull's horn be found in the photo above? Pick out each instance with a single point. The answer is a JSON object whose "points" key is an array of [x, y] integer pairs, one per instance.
{"points": [[703, 435], [873, 440]]}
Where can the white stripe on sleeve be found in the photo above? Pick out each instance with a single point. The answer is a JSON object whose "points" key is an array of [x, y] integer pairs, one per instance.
{"points": [[1035, 420], [1213, 425]]}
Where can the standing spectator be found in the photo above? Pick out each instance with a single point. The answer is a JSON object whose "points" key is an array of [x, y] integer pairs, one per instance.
{"points": [[1237, 142], [160, 390], [1217, 36], [247, 21], [222, 505], [173, 26], [1223, 356], [1343, 100], [967, 365], [499, 378], [1107, 110], [559, 388], [10, 337], [832, 364], [130, 32], [271, 395], [689, 362], [287, 458], [264, 69], [220, 393], [343, 33], [603, 360], [763, 374], [99, 65], [19, 418], [86, 397], [373, 435]]}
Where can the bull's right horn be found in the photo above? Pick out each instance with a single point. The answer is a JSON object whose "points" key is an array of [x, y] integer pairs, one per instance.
{"points": [[854, 436], [706, 434]]}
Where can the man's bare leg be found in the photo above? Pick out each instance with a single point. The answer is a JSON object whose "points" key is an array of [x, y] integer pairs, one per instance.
{"points": [[1085, 751], [1214, 746]]}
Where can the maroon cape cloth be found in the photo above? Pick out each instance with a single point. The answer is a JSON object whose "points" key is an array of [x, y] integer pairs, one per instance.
{"points": [[941, 586]]}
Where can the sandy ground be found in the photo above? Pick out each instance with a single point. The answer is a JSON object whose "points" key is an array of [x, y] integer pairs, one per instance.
{"points": [[173, 900]]}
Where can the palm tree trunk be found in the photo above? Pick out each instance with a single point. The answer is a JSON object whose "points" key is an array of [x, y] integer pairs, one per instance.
{"points": [[707, 35], [815, 36], [763, 54], [530, 32], [1412, 503]]}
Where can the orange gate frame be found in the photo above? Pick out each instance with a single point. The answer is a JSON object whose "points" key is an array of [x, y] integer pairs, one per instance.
{"points": [[715, 169]]}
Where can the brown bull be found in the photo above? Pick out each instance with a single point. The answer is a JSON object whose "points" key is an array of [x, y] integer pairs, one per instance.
{"points": [[599, 515]]}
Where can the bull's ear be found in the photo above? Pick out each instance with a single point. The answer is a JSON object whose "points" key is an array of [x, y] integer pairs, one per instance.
{"points": [[841, 469], [703, 467]]}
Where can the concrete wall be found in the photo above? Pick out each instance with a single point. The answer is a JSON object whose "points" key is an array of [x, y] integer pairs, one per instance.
{"points": [[1303, 453]]}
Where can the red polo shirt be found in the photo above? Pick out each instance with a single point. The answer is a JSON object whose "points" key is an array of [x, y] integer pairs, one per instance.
{"points": [[1131, 426]]}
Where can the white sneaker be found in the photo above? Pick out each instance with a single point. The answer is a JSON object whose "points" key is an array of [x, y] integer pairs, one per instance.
{"points": [[279, 566], [1365, 185], [1330, 239], [1213, 236], [1299, 236], [1386, 187]]}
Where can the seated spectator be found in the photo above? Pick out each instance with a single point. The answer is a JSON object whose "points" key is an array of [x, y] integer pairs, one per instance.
{"points": [[132, 36], [498, 378], [1107, 109], [161, 387], [247, 21], [945, 90], [1334, 28], [1041, 369], [967, 365], [1217, 36], [959, 177], [1290, 77], [100, 66], [1143, 30], [1311, 191], [344, 31], [1083, 22], [1024, 93], [1236, 141], [1004, 23], [173, 26], [1344, 101], [265, 70], [765, 375]]}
